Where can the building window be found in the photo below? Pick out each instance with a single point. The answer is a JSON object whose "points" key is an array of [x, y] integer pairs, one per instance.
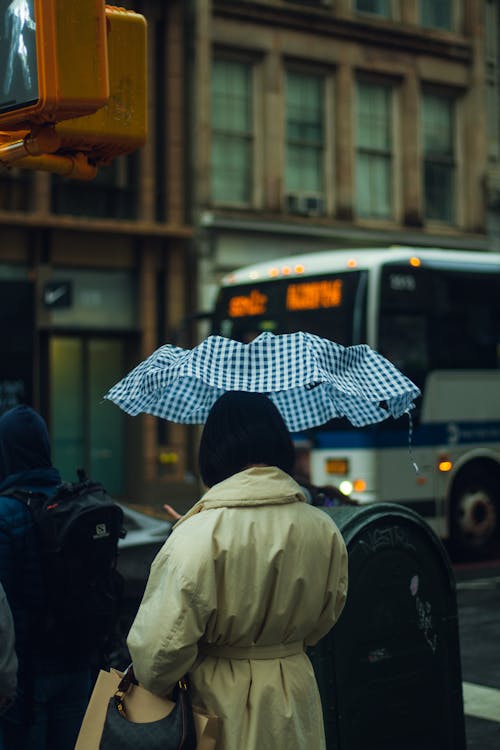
{"points": [[15, 189], [439, 156], [304, 112], [112, 194], [374, 144], [437, 14], [312, 2], [232, 132], [492, 31], [377, 7]]}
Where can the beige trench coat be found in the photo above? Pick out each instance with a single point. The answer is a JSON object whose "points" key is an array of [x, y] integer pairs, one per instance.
{"points": [[251, 566]]}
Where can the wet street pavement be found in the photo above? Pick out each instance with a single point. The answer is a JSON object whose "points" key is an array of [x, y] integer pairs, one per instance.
{"points": [[478, 598]]}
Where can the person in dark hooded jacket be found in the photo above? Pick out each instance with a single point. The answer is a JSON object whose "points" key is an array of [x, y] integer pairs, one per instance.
{"points": [[8, 657], [53, 683]]}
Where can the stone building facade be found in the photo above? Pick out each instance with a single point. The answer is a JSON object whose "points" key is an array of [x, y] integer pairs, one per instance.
{"points": [[94, 276], [359, 122], [275, 127]]}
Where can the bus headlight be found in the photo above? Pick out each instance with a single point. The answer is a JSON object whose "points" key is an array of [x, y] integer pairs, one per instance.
{"points": [[346, 487], [357, 485]]}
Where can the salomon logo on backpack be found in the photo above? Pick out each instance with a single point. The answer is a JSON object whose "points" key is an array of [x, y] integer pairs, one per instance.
{"points": [[78, 530]]}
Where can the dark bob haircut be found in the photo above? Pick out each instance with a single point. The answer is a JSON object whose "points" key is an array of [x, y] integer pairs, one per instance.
{"points": [[243, 429]]}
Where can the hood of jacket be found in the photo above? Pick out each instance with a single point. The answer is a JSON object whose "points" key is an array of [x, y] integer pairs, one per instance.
{"points": [[24, 442], [258, 485]]}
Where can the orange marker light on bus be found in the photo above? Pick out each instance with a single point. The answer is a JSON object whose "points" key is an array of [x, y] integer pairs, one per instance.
{"points": [[352, 263], [445, 465], [299, 269], [415, 262], [359, 485]]}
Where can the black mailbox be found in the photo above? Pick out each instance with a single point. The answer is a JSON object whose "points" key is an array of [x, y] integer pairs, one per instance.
{"points": [[389, 672]]}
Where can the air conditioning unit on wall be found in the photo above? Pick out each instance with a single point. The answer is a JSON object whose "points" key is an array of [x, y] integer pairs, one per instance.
{"points": [[305, 204]]}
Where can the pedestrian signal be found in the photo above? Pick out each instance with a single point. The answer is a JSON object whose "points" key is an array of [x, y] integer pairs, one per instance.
{"points": [[63, 131], [120, 126], [53, 61]]}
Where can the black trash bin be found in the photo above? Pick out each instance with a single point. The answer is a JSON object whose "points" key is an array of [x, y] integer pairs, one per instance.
{"points": [[389, 672]]}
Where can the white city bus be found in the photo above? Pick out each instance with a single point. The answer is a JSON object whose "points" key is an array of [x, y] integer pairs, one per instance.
{"points": [[436, 315]]}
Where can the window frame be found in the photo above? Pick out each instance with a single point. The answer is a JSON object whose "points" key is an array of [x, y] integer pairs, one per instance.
{"points": [[492, 78], [16, 190], [254, 138], [454, 17], [453, 161], [115, 189], [291, 70], [391, 15], [327, 73], [392, 154]]}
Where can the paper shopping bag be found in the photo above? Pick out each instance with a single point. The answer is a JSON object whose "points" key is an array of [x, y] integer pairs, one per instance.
{"points": [[207, 729], [142, 706], [105, 686]]}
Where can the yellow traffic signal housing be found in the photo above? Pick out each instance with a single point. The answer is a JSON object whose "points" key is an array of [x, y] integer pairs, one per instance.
{"points": [[121, 125], [53, 61]]}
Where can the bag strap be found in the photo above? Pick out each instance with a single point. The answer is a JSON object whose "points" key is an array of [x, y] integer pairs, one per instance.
{"points": [[23, 496], [130, 679], [127, 680], [17, 493]]}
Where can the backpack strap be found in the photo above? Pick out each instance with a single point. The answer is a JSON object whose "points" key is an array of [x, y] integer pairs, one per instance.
{"points": [[24, 496]]}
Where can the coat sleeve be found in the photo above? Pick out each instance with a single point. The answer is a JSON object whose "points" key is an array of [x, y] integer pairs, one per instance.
{"points": [[7, 526], [335, 591], [177, 603], [8, 658]]}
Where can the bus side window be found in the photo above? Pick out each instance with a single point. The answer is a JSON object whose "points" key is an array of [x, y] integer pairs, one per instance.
{"points": [[465, 321], [403, 341]]}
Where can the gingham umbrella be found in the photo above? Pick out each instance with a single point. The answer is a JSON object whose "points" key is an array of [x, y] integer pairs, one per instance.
{"points": [[310, 379]]}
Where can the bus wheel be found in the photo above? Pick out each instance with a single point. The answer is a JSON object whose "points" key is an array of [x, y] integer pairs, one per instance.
{"points": [[475, 514]]}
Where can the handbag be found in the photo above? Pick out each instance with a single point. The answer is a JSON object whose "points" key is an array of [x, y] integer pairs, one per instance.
{"points": [[142, 709], [176, 731]]}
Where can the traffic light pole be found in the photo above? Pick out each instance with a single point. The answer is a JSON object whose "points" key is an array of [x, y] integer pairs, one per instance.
{"points": [[35, 151], [42, 140], [74, 166]]}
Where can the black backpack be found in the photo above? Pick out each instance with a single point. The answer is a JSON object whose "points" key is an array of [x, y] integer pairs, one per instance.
{"points": [[78, 529]]}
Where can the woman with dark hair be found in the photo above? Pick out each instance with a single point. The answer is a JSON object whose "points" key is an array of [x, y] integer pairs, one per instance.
{"points": [[250, 576], [243, 429]]}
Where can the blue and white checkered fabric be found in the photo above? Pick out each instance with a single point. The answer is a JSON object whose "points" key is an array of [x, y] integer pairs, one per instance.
{"points": [[310, 379]]}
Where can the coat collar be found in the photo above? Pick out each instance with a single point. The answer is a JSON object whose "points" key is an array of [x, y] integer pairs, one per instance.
{"points": [[259, 485]]}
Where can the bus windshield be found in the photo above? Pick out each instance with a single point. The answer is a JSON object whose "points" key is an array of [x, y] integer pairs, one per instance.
{"points": [[439, 319], [331, 305]]}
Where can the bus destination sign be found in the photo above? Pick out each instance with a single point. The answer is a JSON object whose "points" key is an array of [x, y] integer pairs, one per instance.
{"points": [[242, 305], [296, 296], [314, 295]]}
